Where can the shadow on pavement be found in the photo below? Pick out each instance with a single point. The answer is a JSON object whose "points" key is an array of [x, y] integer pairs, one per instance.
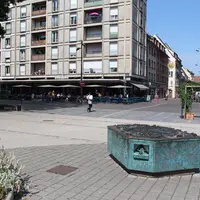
{"points": [[10, 105]]}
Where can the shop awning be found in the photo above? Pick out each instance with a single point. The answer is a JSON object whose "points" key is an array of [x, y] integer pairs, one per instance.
{"points": [[119, 86], [140, 86]]}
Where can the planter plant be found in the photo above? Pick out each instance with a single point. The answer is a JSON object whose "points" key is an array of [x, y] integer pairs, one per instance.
{"points": [[12, 183], [186, 98]]}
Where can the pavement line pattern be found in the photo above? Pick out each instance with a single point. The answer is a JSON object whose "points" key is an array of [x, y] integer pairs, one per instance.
{"points": [[125, 111]]}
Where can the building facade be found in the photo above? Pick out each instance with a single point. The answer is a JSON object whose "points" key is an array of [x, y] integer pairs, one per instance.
{"points": [[157, 67], [43, 40], [175, 70]]}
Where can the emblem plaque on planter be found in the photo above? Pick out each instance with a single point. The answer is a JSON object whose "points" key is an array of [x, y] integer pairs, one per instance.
{"points": [[141, 152]]}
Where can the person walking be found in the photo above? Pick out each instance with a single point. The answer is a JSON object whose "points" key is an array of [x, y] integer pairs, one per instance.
{"points": [[89, 99]]}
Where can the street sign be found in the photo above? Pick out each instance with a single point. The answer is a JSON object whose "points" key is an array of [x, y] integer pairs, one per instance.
{"points": [[82, 84]]}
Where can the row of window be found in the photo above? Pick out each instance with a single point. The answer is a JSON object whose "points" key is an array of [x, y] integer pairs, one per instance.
{"points": [[72, 52], [113, 65], [72, 35], [55, 21]]}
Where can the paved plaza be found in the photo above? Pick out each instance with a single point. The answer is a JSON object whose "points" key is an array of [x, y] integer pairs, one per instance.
{"points": [[43, 139], [163, 111]]}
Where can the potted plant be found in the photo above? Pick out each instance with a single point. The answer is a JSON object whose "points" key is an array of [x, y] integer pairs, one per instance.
{"points": [[12, 183], [185, 95]]}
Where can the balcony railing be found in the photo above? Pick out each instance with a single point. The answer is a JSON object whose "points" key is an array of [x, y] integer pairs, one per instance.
{"points": [[93, 54], [38, 57], [39, 12], [38, 42], [113, 35], [93, 3], [38, 72], [92, 20], [93, 36], [37, 28]]}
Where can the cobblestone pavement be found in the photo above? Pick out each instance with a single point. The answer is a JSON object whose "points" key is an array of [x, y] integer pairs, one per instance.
{"points": [[97, 177]]}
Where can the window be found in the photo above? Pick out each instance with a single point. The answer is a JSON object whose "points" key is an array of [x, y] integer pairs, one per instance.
{"points": [[73, 4], [54, 20], [8, 28], [92, 67], [113, 13], [72, 51], [7, 70], [72, 35], [23, 11], [113, 65], [23, 41], [171, 73], [55, 5], [72, 68], [23, 26], [54, 68], [7, 43], [22, 55], [114, 31], [54, 36], [113, 49], [7, 56], [54, 53], [73, 19], [171, 83], [22, 70]]}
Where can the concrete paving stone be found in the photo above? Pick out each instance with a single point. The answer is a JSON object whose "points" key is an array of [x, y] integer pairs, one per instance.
{"points": [[177, 198], [121, 198], [35, 197], [80, 196], [136, 197], [92, 198], [164, 197], [42, 193]]}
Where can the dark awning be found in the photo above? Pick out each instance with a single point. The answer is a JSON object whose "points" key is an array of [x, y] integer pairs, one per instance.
{"points": [[140, 86]]}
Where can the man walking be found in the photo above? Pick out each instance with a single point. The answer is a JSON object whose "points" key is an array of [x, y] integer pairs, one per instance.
{"points": [[89, 98]]}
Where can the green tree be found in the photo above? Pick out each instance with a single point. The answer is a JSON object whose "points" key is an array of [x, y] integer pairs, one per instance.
{"points": [[187, 97], [4, 10]]}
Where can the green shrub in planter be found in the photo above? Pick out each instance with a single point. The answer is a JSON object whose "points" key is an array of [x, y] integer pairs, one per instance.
{"points": [[10, 174]]}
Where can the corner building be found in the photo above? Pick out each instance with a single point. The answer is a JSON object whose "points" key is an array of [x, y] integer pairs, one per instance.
{"points": [[42, 38]]}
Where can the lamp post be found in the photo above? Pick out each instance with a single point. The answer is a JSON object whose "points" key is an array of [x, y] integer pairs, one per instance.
{"points": [[81, 79]]}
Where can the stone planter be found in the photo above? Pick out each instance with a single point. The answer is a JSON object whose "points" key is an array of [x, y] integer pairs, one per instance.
{"points": [[154, 150], [10, 196], [189, 116]]}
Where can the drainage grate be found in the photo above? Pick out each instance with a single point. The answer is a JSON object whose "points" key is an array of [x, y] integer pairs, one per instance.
{"points": [[48, 120], [62, 170]]}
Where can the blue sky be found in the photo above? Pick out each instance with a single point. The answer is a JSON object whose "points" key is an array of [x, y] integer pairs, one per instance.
{"points": [[177, 23]]}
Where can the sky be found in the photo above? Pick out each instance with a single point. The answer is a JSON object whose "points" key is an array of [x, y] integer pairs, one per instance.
{"points": [[177, 23]]}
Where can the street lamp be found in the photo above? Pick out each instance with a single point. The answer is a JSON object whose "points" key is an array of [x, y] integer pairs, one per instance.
{"points": [[81, 79]]}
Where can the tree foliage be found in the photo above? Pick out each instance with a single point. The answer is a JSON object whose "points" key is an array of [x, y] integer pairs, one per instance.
{"points": [[187, 97], [4, 10]]}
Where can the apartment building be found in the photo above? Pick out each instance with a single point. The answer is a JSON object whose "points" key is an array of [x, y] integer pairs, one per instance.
{"points": [[43, 38], [157, 67], [175, 70]]}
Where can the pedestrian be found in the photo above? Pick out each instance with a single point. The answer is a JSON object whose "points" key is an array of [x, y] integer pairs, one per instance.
{"points": [[89, 99]]}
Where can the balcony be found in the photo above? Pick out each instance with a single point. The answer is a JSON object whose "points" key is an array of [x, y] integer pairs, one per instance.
{"points": [[38, 42], [38, 39], [93, 3], [94, 16], [38, 69], [113, 35], [39, 9], [93, 50], [93, 33], [39, 24], [38, 57], [39, 12]]}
